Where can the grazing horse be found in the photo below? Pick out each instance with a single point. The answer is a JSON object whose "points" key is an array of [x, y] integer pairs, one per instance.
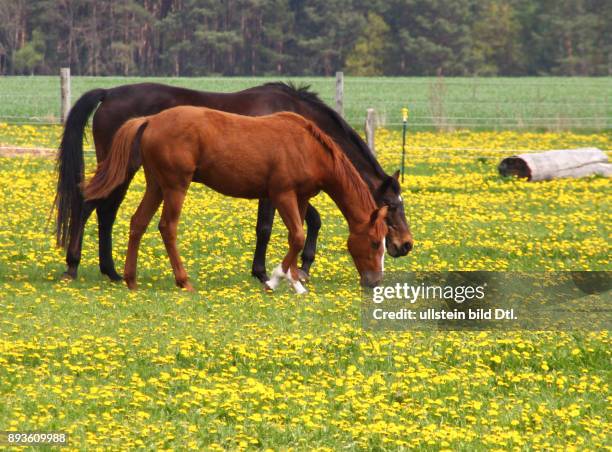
{"points": [[119, 104], [283, 157]]}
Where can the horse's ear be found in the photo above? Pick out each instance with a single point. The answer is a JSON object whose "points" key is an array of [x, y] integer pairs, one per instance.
{"points": [[379, 214], [390, 181], [384, 186]]}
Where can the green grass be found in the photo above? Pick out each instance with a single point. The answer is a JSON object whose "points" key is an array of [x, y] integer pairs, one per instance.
{"points": [[231, 367], [533, 103]]}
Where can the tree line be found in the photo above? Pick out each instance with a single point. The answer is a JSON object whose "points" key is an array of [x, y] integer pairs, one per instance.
{"points": [[306, 37]]}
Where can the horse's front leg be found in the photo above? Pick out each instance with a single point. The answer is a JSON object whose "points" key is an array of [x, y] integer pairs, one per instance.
{"points": [[313, 222], [265, 219], [292, 214]]}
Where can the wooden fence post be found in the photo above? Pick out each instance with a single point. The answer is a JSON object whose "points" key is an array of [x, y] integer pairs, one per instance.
{"points": [[65, 87], [370, 128], [340, 93]]}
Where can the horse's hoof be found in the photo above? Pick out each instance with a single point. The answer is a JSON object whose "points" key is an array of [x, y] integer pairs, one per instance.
{"points": [[112, 275], [188, 287], [299, 288], [303, 276], [68, 276], [267, 288], [261, 275], [131, 284]]}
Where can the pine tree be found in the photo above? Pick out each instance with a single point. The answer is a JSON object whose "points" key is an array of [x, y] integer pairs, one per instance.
{"points": [[31, 55], [367, 57], [430, 37], [495, 35]]}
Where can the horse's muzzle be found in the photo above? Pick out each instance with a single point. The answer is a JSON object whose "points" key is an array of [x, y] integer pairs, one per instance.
{"points": [[398, 250], [371, 279]]}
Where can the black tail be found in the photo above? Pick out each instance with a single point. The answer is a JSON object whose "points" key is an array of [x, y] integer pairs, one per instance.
{"points": [[70, 166]]}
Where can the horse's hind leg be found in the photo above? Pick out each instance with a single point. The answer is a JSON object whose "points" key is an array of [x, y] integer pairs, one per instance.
{"points": [[75, 243], [107, 213], [168, 225], [138, 225], [265, 219]]}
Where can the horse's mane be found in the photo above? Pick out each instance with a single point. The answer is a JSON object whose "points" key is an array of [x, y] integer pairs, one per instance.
{"points": [[304, 93], [346, 174]]}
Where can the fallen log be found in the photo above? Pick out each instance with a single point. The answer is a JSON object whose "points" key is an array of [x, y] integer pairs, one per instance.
{"points": [[574, 163]]}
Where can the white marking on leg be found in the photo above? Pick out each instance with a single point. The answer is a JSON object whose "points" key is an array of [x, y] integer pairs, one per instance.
{"points": [[277, 275], [400, 198], [297, 285], [382, 258]]}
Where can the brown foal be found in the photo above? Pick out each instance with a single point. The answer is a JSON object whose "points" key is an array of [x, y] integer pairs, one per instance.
{"points": [[283, 157]]}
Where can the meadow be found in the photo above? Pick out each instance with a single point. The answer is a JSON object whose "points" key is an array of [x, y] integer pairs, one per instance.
{"points": [[528, 103], [231, 367]]}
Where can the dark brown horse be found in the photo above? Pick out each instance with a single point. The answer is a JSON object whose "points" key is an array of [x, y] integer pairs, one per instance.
{"points": [[128, 101], [281, 157]]}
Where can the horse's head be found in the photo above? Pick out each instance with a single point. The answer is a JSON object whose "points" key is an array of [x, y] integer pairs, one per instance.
{"points": [[399, 238], [366, 245]]}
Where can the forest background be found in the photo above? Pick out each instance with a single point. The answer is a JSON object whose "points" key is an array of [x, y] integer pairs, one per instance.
{"points": [[313, 37]]}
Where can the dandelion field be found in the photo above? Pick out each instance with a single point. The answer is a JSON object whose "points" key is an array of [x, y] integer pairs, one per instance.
{"points": [[231, 367]]}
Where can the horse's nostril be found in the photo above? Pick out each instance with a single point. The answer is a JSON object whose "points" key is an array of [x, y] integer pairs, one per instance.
{"points": [[407, 247]]}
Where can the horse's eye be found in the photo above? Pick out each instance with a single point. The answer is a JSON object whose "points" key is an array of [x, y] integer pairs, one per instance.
{"points": [[375, 245]]}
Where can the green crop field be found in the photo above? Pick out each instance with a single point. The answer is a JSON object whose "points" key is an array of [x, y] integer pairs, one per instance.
{"points": [[231, 367], [530, 103]]}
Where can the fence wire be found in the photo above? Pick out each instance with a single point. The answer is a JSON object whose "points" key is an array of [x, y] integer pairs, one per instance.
{"points": [[435, 103]]}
